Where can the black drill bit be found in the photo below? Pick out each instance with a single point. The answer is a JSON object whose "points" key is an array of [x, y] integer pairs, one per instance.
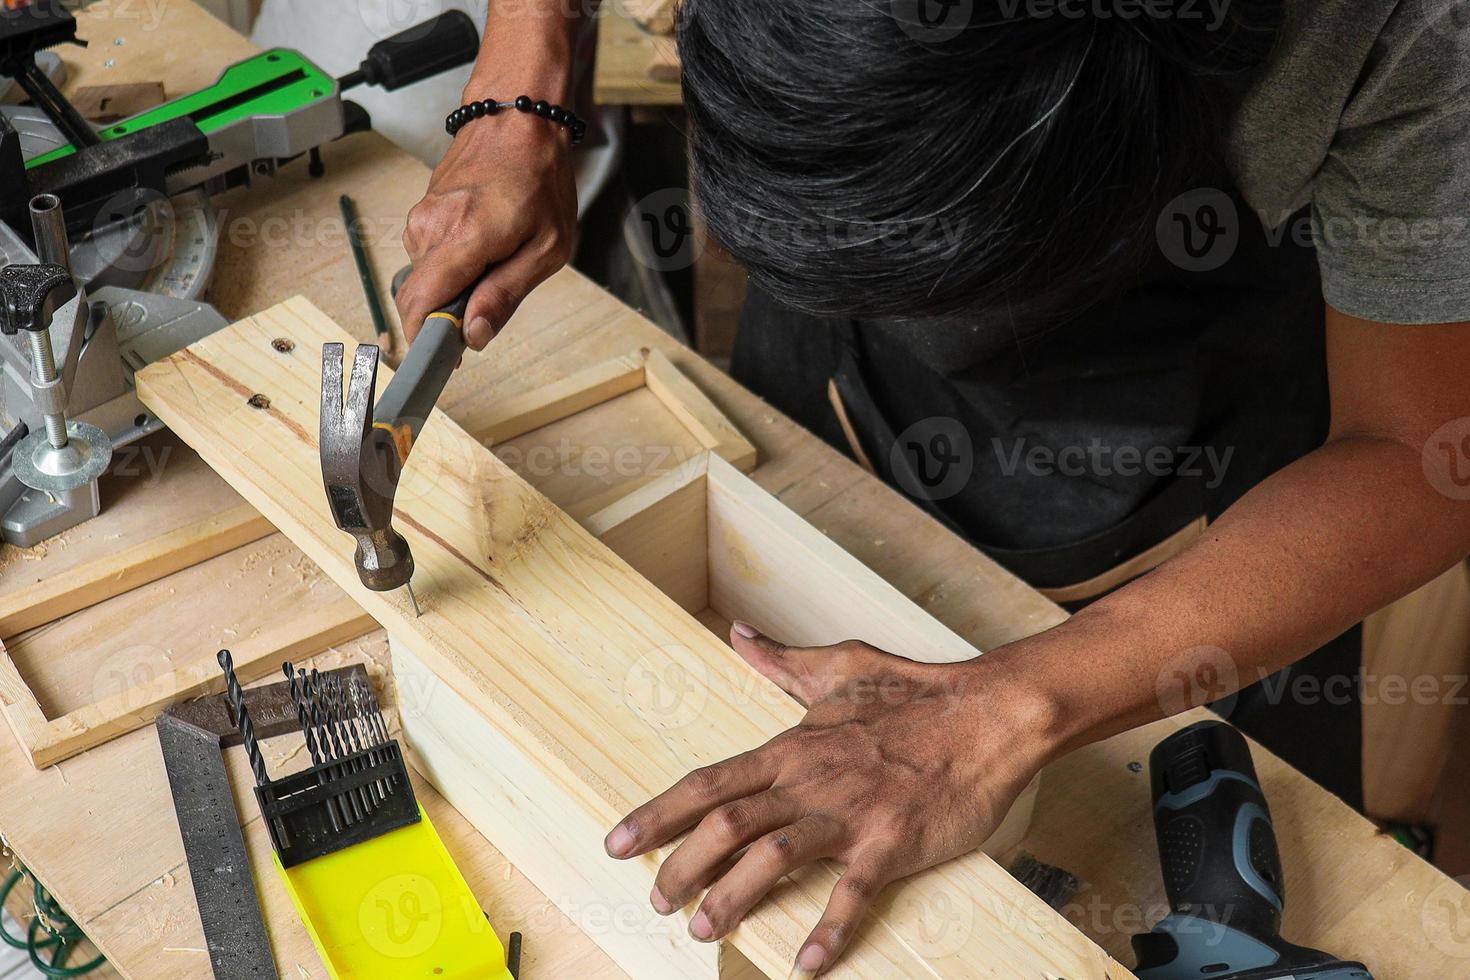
{"points": [[369, 735], [301, 713], [349, 736], [375, 713], [241, 716], [321, 711], [315, 739], [374, 717]]}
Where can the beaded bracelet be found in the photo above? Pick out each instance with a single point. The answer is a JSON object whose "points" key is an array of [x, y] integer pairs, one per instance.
{"points": [[489, 107]]}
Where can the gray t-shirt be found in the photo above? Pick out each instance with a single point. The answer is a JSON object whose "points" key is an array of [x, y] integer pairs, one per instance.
{"points": [[1363, 111]]}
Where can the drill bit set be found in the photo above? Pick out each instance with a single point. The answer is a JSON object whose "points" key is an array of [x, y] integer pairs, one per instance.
{"points": [[353, 845], [357, 787]]}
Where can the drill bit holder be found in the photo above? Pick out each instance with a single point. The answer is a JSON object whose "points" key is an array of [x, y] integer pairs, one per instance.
{"points": [[357, 788], [337, 804]]}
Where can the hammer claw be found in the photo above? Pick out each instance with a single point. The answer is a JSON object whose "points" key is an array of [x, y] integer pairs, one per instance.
{"points": [[363, 386]]}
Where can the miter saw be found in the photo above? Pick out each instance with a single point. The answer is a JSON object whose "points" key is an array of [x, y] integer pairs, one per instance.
{"points": [[125, 210]]}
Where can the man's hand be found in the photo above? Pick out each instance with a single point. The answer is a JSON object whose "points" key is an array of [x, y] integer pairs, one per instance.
{"points": [[503, 197], [897, 766]]}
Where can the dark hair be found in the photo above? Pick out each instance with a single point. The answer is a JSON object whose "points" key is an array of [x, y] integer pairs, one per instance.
{"points": [[858, 159]]}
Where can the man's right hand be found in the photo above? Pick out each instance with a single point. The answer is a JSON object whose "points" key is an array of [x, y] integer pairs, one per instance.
{"points": [[503, 198]]}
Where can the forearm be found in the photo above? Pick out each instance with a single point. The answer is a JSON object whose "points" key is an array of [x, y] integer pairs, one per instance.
{"points": [[1302, 557], [529, 47]]}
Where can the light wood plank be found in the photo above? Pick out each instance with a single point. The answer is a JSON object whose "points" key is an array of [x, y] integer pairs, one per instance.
{"points": [[137, 541], [625, 53], [147, 561], [714, 431], [519, 414], [94, 675], [539, 626]]}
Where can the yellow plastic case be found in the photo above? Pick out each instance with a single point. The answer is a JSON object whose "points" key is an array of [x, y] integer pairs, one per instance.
{"points": [[395, 908]]}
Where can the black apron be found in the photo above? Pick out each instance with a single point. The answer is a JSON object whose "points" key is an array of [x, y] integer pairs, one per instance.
{"points": [[1066, 449]]}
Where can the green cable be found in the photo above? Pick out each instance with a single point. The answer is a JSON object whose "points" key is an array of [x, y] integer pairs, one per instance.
{"points": [[62, 933]]}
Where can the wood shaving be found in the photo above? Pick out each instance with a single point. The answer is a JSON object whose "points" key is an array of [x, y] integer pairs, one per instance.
{"points": [[184, 949]]}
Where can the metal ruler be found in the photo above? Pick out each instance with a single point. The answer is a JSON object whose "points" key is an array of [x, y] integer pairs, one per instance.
{"points": [[193, 735]]}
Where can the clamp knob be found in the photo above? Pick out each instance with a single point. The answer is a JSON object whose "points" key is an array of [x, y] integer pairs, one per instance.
{"points": [[30, 295]]}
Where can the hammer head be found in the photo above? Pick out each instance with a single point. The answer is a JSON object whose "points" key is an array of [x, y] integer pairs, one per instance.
{"points": [[360, 469]]}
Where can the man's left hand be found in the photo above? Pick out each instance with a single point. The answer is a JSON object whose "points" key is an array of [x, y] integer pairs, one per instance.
{"points": [[897, 766]]}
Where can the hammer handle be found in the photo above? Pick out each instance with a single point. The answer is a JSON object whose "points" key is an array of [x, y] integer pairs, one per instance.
{"points": [[420, 379]]}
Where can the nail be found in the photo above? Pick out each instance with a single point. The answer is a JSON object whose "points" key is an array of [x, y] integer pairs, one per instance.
{"points": [[700, 927], [660, 904], [811, 959], [619, 842], [478, 326], [746, 630]]}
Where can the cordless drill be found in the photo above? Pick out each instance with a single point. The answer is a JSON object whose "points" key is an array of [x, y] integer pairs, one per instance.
{"points": [[1222, 871]]}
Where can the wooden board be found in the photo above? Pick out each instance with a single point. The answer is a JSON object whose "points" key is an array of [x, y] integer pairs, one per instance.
{"points": [[529, 618], [1416, 655], [626, 57], [91, 676], [136, 542]]}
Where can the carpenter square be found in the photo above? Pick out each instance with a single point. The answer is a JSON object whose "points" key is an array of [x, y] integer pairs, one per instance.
{"points": [[364, 448], [192, 736]]}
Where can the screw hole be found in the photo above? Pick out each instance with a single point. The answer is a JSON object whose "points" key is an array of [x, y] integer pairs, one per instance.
{"points": [[140, 421], [258, 401], [283, 345]]}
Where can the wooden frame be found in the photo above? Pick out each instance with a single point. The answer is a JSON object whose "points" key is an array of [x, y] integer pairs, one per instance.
{"points": [[138, 538], [722, 548], [555, 645], [105, 578]]}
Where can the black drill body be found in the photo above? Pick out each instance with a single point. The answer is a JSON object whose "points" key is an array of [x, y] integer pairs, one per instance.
{"points": [[1222, 870]]}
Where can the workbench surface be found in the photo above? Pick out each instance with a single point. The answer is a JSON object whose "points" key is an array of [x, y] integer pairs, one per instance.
{"points": [[98, 829]]}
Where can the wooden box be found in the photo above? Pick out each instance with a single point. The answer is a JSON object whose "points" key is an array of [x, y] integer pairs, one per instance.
{"points": [[723, 549]]}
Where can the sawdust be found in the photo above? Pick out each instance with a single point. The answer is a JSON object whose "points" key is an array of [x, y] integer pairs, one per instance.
{"points": [[184, 949]]}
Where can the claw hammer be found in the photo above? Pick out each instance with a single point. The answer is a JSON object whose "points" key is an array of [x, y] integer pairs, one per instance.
{"points": [[365, 440]]}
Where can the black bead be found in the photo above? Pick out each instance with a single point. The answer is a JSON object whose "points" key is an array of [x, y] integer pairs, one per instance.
{"points": [[524, 103], [557, 114], [491, 107], [450, 127], [477, 109], [579, 129], [542, 108]]}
